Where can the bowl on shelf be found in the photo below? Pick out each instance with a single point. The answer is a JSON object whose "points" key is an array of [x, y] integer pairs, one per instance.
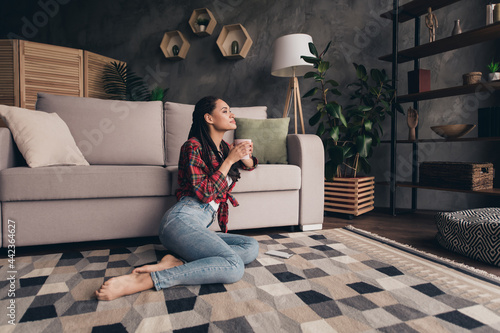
{"points": [[453, 131]]}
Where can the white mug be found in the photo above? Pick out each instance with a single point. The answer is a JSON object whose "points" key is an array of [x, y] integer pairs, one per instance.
{"points": [[237, 142]]}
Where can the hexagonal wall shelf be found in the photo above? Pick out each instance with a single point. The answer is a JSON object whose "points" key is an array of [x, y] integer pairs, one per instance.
{"points": [[231, 33], [170, 39], [202, 13]]}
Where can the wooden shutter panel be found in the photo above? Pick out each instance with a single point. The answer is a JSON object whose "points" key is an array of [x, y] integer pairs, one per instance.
{"points": [[94, 65], [48, 68], [9, 75]]}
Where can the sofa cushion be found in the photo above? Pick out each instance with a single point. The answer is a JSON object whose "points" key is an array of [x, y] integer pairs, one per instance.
{"points": [[268, 136], [42, 138], [178, 119], [111, 132], [267, 177], [79, 182]]}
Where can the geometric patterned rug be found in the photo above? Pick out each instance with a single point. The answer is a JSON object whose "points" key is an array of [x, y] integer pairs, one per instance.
{"points": [[338, 280]]}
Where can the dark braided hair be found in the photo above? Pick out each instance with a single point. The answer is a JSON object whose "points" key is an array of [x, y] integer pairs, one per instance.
{"points": [[199, 130]]}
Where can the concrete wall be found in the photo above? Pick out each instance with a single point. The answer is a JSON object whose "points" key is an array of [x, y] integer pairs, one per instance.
{"points": [[132, 31]]}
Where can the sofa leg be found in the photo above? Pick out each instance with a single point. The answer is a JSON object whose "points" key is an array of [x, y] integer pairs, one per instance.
{"points": [[311, 227]]}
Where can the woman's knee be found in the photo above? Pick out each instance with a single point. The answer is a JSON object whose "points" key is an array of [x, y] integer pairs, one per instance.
{"points": [[236, 271], [253, 250]]}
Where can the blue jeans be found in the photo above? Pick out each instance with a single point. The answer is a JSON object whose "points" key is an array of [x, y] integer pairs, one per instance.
{"points": [[209, 257]]}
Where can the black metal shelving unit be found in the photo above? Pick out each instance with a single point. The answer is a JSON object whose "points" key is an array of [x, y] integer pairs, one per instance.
{"points": [[412, 11]]}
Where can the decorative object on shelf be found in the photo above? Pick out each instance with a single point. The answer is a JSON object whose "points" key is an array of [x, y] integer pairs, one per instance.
{"points": [[287, 62], [235, 47], [457, 175], [350, 135], [353, 196], [453, 131], [230, 33], [472, 78], [489, 13], [202, 22], [412, 121], [496, 13], [431, 22], [171, 39], [494, 74], [457, 29], [419, 80], [175, 50], [488, 122]]}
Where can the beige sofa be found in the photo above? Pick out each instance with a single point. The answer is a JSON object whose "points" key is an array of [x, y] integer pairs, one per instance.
{"points": [[133, 150]]}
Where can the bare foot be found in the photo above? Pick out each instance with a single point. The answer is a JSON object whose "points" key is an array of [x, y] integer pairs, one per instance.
{"points": [[166, 262], [124, 285]]}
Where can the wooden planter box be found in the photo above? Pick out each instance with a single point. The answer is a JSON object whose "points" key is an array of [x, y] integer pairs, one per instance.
{"points": [[353, 196]]}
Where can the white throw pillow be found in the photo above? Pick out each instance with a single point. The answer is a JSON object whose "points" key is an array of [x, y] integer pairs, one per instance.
{"points": [[43, 138]]}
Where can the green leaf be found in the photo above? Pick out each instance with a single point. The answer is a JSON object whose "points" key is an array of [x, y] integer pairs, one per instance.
{"points": [[315, 119], [334, 110], [323, 66], [334, 133], [326, 48], [310, 93], [336, 92], [333, 83], [364, 108], [361, 72], [310, 74], [363, 145], [368, 125], [321, 129], [311, 60], [377, 75], [313, 50]]}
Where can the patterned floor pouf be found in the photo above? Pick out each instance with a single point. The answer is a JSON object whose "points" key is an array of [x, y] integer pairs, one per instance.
{"points": [[474, 233]]}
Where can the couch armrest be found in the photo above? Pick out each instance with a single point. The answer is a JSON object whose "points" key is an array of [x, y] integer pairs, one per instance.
{"points": [[7, 149], [306, 151]]}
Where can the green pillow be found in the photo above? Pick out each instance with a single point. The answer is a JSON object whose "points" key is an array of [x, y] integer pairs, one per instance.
{"points": [[268, 137]]}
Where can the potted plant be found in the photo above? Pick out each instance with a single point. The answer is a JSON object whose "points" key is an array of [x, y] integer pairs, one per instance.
{"points": [[202, 23], [493, 67], [123, 84], [349, 134]]}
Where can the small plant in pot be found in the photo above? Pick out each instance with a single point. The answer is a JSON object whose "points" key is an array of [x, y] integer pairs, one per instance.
{"points": [[202, 23], [349, 134], [494, 73]]}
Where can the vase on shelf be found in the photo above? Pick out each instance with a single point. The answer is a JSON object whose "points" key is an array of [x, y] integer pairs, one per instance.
{"points": [[175, 50], [494, 76], [457, 29], [235, 47]]}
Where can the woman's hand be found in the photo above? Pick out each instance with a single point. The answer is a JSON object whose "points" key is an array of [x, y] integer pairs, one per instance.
{"points": [[237, 152]]}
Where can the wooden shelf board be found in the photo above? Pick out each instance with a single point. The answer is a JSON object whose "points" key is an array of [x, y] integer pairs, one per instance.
{"points": [[452, 91], [417, 8], [467, 38], [445, 140], [494, 191]]}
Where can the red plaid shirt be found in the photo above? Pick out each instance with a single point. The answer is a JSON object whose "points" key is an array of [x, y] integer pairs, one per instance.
{"points": [[196, 181]]}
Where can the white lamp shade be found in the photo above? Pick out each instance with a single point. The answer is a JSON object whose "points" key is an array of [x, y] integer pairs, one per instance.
{"points": [[286, 55]]}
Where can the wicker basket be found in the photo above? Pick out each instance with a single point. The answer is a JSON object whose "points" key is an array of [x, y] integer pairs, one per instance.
{"points": [[457, 175], [472, 78]]}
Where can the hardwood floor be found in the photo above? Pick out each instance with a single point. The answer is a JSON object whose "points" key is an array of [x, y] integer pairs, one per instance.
{"points": [[417, 229]]}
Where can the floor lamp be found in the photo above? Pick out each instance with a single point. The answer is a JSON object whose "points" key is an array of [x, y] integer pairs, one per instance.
{"points": [[287, 62]]}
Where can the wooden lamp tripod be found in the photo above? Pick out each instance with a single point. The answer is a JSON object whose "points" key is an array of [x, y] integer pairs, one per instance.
{"points": [[287, 62]]}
